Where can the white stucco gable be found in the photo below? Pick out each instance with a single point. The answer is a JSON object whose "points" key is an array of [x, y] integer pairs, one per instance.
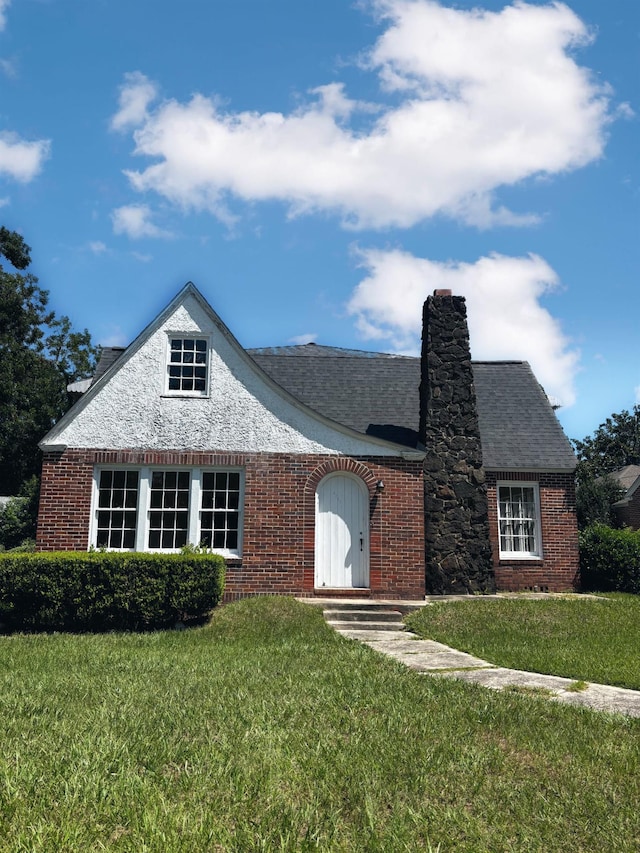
{"points": [[242, 410]]}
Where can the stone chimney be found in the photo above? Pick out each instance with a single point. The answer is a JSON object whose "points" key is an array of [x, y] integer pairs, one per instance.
{"points": [[457, 546]]}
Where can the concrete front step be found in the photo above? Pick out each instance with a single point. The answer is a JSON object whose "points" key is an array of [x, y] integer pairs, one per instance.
{"points": [[368, 617], [362, 615], [366, 626], [401, 605]]}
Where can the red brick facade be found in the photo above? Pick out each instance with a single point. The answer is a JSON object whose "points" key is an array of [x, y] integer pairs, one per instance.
{"points": [[628, 514], [279, 519], [279, 515], [558, 569]]}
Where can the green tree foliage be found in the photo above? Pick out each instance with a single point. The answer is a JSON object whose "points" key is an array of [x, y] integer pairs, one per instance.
{"points": [[594, 500], [613, 445], [39, 355], [18, 517]]}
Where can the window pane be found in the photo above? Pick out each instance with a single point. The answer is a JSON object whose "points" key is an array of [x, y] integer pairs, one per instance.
{"points": [[170, 492], [220, 491], [114, 527]]}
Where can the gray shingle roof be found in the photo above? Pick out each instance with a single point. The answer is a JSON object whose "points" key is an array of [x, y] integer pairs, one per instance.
{"points": [[377, 394], [107, 357], [625, 477], [518, 426]]}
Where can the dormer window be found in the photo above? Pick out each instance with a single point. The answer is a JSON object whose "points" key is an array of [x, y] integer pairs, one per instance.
{"points": [[187, 366]]}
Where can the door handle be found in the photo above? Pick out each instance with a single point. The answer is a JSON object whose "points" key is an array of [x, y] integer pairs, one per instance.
{"points": [[362, 543]]}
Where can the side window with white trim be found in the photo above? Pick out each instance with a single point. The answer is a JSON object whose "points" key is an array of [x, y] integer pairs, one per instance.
{"points": [[519, 520]]}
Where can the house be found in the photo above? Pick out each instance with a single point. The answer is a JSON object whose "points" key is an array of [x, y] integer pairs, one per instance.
{"points": [[317, 470], [627, 509]]}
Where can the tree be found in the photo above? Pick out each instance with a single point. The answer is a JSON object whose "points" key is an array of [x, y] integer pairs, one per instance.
{"points": [[39, 355], [595, 498], [613, 445], [18, 516]]}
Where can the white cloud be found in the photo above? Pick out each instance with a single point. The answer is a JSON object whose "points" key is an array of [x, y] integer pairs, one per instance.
{"points": [[97, 247], [4, 5], [4, 201], [143, 257], [506, 319], [134, 220], [470, 101], [19, 159], [117, 338], [8, 68], [300, 340], [136, 93]]}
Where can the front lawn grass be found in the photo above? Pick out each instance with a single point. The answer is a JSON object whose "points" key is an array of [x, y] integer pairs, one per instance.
{"points": [[267, 731], [588, 639]]}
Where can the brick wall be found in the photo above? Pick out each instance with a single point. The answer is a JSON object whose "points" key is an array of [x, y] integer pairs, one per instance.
{"points": [[558, 570], [629, 514], [279, 514]]}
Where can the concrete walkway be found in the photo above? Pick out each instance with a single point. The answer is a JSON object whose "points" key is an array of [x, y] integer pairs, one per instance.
{"points": [[436, 659]]}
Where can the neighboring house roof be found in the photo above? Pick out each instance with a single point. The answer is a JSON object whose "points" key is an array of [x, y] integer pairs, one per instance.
{"points": [[378, 394], [628, 478]]}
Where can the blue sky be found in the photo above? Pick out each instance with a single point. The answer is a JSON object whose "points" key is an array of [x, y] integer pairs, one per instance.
{"points": [[317, 169]]}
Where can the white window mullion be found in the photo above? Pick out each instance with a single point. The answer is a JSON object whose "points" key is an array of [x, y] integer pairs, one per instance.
{"points": [[194, 508], [143, 511]]}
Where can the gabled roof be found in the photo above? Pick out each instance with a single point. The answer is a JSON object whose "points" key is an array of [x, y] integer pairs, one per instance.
{"points": [[378, 393], [628, 478], [270, 416]]}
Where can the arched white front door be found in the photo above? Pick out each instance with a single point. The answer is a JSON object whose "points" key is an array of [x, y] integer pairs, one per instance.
{"points": [[342, 533]]}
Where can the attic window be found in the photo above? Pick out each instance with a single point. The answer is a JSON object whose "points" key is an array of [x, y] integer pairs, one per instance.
{"points": [[187, 366]]}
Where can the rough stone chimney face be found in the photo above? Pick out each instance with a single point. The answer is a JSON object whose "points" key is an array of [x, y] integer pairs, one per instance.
{"points": [[458, 551]]}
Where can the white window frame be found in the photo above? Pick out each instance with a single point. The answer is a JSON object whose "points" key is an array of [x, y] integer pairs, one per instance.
{"points": [[186, 336], [536, 519], [143, 507]]}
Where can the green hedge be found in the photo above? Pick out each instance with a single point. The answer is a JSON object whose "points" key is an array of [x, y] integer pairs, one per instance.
{"points": [[610, 559], [96, 591]]}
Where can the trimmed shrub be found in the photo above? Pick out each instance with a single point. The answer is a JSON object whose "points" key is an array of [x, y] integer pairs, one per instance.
{"points": [[96, 591], [610, 559]]}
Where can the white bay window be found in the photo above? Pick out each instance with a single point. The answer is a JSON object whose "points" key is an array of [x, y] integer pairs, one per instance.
{"points": [[164, 509]]}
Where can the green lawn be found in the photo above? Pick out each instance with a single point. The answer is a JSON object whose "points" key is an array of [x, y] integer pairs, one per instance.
{"points": [[591, 639], [266, 731]]}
